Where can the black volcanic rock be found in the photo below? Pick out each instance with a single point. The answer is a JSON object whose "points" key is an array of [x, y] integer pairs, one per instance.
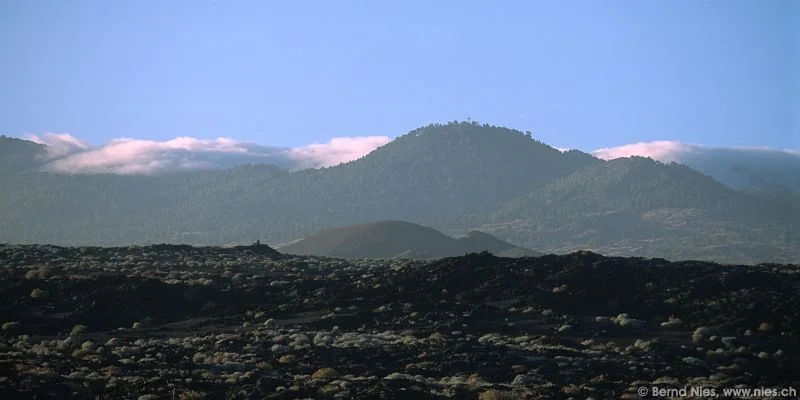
{"points": [[225, 323], [260, 249]]}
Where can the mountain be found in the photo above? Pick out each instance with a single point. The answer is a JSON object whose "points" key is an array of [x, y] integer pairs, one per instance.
{"points": [[455, 178], [444, 172], [755, 169], [398, 239], [439, 175], [638, 205], [19, 155]]}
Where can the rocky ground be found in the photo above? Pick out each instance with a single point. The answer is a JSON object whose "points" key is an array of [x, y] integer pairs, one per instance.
{"points": [[173, 322]]}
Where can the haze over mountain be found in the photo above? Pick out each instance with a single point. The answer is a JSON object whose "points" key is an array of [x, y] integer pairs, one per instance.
{"points": [[454, 177], [652, 208], [753, 168], [398, 239]]}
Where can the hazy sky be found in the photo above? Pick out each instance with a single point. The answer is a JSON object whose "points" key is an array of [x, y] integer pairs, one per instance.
{"points": [[579, 74]]}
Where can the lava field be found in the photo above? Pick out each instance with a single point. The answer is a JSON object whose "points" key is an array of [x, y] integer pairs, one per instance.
{"points": [[180, 322]]}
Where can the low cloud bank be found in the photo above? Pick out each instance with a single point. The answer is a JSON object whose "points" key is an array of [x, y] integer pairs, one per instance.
{"points": [[671, 151], [68, 154], [757, 167], [59, 144], [338, 150], [736, 167], [664, 151]]}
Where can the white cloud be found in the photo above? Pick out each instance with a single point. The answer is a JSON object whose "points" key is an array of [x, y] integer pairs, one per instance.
{"points": [[59, 144], [664, 151], [736, 167], [69, 154], [669, 151], [337, 150]]}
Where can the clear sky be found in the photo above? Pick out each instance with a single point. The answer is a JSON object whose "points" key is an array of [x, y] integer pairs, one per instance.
{"points": [[579, 74]]}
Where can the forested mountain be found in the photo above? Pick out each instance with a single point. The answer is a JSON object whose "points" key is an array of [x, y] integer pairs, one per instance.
{"points": [[453, 177], [19, 155], [440, 175], [637, 204], [391, 239], [756, 169], [637, 184]]}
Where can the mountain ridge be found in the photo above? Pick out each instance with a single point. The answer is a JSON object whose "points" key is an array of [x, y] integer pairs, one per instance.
{"points": [[453, 177]]}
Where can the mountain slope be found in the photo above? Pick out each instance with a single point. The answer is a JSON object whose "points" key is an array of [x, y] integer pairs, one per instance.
{"points": [[440, 175], [755, 169], [19, 155], [761, 169], [637, 204], [392, 239], [455, 178]]}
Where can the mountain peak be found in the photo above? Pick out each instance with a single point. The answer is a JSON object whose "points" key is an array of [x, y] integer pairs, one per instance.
{"points": [[466, 129]]}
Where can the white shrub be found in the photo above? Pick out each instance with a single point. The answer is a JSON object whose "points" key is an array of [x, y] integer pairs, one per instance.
{"points": [[271, 323], [279, 349], [322, 340], [10, 325], [626, 321], [700, 334], [642, 344], [671, 322], [693, 361]]}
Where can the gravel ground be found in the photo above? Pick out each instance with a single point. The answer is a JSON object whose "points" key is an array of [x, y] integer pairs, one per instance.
{"points": [[177, 322]]}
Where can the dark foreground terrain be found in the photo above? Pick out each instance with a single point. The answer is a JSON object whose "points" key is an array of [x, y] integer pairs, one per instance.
{"points": [[179, 322]]}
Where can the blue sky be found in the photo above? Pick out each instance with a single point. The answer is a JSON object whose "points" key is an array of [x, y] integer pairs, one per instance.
{"points": [[579, 74]]}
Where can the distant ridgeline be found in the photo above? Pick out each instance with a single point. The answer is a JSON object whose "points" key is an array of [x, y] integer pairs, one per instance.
{"points": [[454, 177]]}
